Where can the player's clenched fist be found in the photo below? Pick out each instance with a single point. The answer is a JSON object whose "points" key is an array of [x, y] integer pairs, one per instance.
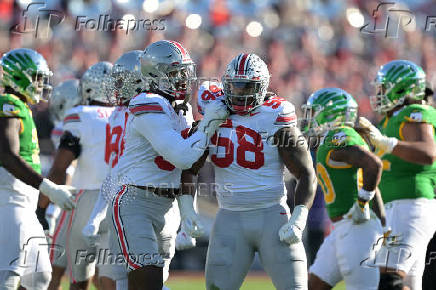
{"points": [[58, 194], [184, 241], [189, 218], [292, 232], [214, 114]]}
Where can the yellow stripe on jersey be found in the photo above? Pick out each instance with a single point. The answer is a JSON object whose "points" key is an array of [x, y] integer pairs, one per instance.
{"points": [[326, 183]]}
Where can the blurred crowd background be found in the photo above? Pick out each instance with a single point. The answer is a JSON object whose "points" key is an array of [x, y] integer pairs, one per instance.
{"points": [[307, 44]]}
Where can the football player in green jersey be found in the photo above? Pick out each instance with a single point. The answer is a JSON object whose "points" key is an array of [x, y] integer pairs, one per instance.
{"points": [[23, 254], [405, 140], [348, 173]]}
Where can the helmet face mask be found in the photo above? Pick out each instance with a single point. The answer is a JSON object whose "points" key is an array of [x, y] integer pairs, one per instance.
{"points": [[245, 83], [327, 109], [397, 81], [64, 97], [27, 73], [243, 96], [125, 80], [180, 81], [93, 82], [168, 69]]}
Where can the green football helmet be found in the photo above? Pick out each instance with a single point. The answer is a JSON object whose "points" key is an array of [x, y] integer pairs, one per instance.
{"points": [[327, 109], [27, 73], [396, 81]]}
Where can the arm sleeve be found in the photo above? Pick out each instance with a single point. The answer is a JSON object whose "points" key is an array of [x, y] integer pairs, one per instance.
{"points": [[169, 143], [99, 210]]}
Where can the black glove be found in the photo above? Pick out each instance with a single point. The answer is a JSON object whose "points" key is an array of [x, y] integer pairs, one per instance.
{"points": [[40, 214]]}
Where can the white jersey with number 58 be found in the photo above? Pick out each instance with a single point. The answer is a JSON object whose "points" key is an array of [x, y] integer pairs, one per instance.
{"points": [[248, 168]]}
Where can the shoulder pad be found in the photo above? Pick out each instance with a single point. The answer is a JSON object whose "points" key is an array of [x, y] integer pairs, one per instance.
{"points": [[11, 106], [419, 113], [148, 103], [344, 136], [283, 111]]}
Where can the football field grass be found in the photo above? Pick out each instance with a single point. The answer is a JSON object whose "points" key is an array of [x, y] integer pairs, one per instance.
{"points": [[195, 281]]}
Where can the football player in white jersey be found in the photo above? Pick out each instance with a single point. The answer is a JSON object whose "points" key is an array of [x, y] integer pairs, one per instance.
{"points": [[144, 210], [63, 97], [84, 139], [125, 82], [249, 153], [23, 254]]}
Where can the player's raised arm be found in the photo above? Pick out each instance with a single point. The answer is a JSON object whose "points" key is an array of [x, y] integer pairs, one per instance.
{"points": [[157, 128], [294, 152], [417, 144]]}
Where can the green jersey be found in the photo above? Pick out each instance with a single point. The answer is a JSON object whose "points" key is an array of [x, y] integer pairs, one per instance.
{"points": [[12, 107], [339, 181], [402, 179]]}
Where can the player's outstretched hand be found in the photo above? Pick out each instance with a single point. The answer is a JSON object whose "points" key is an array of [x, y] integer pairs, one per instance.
{"points": [[378, 140], [189, 219], [214, 114], [58, 194], [184, 241], [292, 231], [89, 232]]}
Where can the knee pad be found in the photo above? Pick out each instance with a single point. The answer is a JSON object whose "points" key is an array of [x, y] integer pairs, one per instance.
{"points": [[37, 281], [9, 280], [390, 281]]}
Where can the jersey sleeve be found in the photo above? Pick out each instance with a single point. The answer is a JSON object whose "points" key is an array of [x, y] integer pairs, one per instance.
{"points": [[74, 122], [284, 116], [152, 119], [419, 114], [12, 107], [208, 92]]}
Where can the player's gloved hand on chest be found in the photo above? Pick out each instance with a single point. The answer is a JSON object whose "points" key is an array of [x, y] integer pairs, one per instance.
{"points": [[184, 241], [89, 232], [377, 139], [58, 194], [214, 114], [292, 231], [189, 219]]}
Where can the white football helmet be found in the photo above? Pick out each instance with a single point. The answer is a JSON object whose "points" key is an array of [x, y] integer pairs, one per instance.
{"points": [[92, 83], [125, 80], [64, 97], [168, 69], [245, 83]]}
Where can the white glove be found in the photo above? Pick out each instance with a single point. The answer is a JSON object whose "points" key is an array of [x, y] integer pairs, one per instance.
{"points": [[380, 141], [189, 218], [89, 232], [365, 194], [214, 114], [58, 194], [360, 213], [184, 241], [292, 231]]}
